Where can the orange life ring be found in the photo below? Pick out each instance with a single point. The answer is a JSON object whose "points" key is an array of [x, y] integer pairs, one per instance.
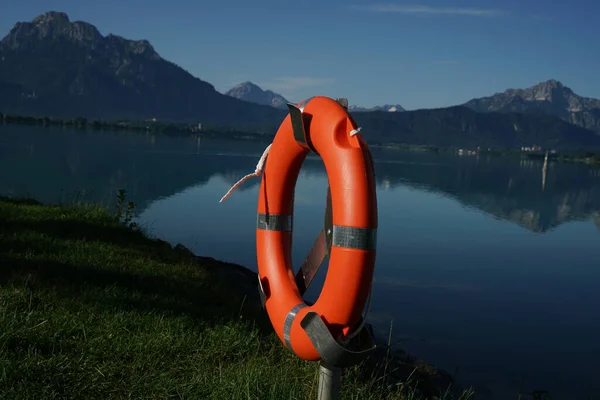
{"points": [[330, 132]]}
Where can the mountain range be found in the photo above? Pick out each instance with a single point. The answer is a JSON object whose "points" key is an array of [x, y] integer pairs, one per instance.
{"points": [[253, 93], [250, 92], [550, 97], [52, 66], [461, 126], [385, 107]]}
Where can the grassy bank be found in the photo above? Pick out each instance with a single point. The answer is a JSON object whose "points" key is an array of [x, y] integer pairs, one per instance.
{"points": [[91, 308]]}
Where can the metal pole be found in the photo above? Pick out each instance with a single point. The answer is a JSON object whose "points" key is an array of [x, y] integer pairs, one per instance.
{"points": [[329, 382]]}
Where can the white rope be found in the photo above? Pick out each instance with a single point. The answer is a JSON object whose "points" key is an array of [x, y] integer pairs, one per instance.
{"points": [[355, 131], [260, 166], [256, 173]]}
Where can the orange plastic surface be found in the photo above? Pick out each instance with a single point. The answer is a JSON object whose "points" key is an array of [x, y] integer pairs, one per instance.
{"points": [[354, 203]]}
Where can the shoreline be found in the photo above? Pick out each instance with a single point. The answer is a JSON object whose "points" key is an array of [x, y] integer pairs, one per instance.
{"points": [[401, 363], [568, 157], [131, 126], [386, 372], [581, 156]]}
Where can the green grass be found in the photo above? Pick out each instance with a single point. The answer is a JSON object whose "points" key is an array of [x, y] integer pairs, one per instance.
{"points": [[92, 309]]}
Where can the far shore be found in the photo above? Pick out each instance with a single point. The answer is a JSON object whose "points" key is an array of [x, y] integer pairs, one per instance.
{"points": [[182, 129]]}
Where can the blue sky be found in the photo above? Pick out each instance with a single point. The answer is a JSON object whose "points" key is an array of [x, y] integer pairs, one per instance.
{"points": [[420, 54]]}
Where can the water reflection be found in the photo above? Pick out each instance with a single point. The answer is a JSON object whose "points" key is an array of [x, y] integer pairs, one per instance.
{"points": [[508, 190], [52, 165]]}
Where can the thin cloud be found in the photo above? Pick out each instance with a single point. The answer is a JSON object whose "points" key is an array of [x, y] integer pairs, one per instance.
{"points": [[295, 83], [417, 9]]}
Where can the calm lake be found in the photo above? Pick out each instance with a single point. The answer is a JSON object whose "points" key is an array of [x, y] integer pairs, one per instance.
{"points": [[486, 269]]}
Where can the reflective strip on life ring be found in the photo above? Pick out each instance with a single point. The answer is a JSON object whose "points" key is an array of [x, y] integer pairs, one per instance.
{"points": [[330, 132]]}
